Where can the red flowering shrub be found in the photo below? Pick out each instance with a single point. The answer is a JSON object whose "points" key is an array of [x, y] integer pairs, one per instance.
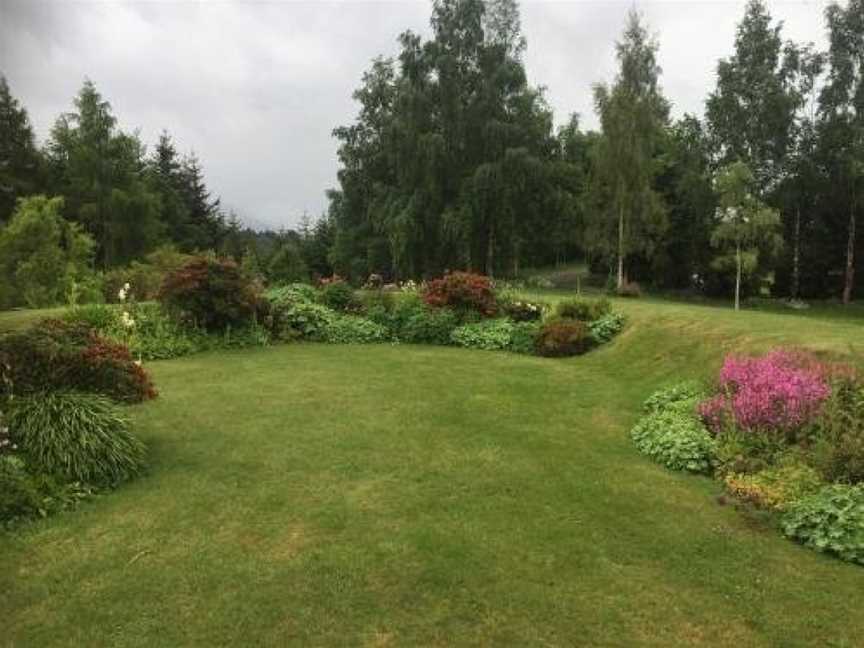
{"points": [[564, 337], [779, 391], [59, 355], [212, 293], [463, 292]]}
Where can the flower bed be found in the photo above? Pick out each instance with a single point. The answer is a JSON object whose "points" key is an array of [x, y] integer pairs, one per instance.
{"points": [[782, 432]]}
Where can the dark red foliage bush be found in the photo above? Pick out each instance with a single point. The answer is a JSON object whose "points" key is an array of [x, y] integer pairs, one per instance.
{"points": [[564, 337], [56, 354], [462, 291], [211, 293]]}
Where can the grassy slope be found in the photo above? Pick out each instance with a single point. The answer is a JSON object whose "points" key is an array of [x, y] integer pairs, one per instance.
{"points": [[383, 495]]}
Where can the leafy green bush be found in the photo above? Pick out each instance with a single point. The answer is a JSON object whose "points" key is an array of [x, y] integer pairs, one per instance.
{"points": [[338, 295], [675, 439], [98, 317], [211, 293], [76, 437], [563, 337], [523, 337], [838, 434], [682, 395], [19, 494], [775, 488], [830, 520], [490, 335], [58, 355], [582, 309], [351, 329], [604, 328], [428, 326]]}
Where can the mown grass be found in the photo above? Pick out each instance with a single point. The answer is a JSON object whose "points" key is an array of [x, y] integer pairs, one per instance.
{"points": [[400, 495]]}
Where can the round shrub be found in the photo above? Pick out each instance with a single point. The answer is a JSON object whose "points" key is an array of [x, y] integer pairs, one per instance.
{"points": [[523, 337], [675, 439], [464, 292], [584, 310], [604, 328], [830, 520], [337, 295], [563, 337], [76, 437], [351, 329], [429, 326], [211, 293], [683, 395], [523, 311], [58, 355]]}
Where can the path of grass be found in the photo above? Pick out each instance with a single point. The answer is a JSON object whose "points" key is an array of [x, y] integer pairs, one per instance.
{"points": [[378, 495]]}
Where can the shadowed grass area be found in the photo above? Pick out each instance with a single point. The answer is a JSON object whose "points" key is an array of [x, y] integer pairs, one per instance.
{"points": [[402, 495]]}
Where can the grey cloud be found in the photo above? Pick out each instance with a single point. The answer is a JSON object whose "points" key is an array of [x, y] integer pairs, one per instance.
{"points": [[256, 88]]}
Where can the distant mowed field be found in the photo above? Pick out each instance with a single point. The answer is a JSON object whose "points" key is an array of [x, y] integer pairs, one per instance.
{"points": [[397, 495]]}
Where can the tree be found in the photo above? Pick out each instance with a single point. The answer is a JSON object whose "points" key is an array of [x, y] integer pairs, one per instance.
{"points": [[745, 224], [167, 181], [42, 255], [100, 172], [751, 112], [206, 225], [842, 107], [19, 158], [633, 114]]}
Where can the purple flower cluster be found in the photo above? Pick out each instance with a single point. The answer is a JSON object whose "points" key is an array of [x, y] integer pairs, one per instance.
{"points": [[782, 390]]}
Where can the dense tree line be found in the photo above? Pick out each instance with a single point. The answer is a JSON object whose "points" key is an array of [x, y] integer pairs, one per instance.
{"points": [[452, 161]]}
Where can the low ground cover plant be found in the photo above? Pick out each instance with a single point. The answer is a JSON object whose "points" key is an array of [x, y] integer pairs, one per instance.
{"points": [[783, 432]]}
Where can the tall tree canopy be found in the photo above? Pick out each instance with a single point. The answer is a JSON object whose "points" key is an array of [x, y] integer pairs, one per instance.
{"points": [[19, 158]]}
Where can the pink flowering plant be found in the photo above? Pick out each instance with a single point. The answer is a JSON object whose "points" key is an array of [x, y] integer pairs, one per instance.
{"points": [[783, 390]]}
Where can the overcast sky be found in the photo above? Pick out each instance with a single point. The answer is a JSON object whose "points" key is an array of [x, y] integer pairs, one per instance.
{"points": [[255, 88]]}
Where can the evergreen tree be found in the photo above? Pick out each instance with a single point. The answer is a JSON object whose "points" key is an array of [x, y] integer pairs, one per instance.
{"points": [[19, 158]]}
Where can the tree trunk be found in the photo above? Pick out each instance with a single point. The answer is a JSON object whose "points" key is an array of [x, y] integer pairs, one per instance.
{"points": [[621, 279], [490, 252], [738, 276], [796, 256], [850, 257]]}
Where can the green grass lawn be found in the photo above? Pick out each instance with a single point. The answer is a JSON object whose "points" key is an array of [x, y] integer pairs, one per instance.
{"points": [[400, 495]]}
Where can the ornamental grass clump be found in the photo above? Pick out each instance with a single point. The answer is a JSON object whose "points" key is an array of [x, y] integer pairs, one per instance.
{"points": [[781, 391]]}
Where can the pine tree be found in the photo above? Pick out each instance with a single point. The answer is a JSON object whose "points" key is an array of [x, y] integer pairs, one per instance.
{"points": [[19, 158]]}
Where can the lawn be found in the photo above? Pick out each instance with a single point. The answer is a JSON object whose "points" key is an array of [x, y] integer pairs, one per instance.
{"points": [[400, 495]]}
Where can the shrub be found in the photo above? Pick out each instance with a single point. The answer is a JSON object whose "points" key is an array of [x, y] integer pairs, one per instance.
{"points": [[490, 335], [675, 439], [830, 520], [775, 488], [428, 326], [629, 289], [76, 437], [563, 337], [774, 392], [838, 433], [338, 295], [58, 355], [97, 317], [211, 293], [683, 395], [464, 292], [351, 329], [145, 278], [155, 335], [604, 328], [584, 310], [523, 311], [740, 452], [19, 494], [523, 337]]}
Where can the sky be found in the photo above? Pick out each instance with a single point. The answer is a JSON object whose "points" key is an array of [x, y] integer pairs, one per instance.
{"points": [[255, 88]]}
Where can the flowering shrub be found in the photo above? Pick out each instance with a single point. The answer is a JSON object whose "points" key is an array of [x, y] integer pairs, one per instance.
{"points": [[211, 293], [523, 311], [61, 355], [780, 391], [463, 292]]}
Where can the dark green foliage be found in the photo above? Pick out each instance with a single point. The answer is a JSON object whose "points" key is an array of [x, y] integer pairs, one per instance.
{"points": [[293, 313], [839, 433], [55, 354], [75, 437], [19, 158], [564, 337], [338, 295], [211, 293], [428, 326], [684, 395], [351, 329], [19, 492], [583, 309], [830, 521]]}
